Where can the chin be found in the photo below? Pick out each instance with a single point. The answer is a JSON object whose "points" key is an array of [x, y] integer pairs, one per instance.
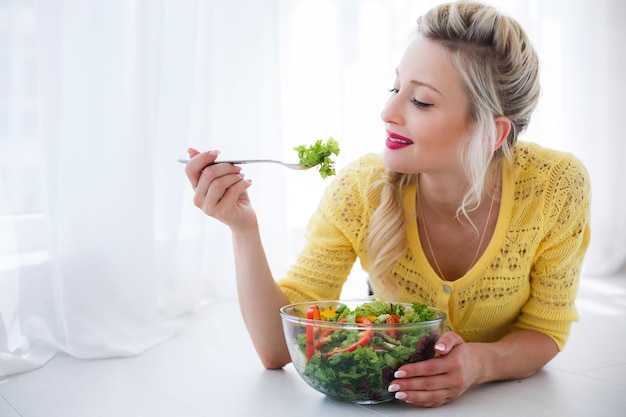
{"points": [[393, 161]]}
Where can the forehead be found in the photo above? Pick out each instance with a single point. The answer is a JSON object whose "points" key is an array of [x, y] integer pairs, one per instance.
{"points": [[427, 61]]}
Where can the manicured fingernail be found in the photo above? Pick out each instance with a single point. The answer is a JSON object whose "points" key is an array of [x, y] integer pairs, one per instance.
{"points": [[401, 395], [393, 387], [399, 374], [440, 347], [214, 153]]}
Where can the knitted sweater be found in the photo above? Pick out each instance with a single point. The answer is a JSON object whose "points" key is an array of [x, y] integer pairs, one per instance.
{"points": [[527, 278]]}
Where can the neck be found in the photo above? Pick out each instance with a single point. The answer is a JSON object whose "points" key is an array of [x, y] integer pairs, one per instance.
{"points": [[443, 196]]}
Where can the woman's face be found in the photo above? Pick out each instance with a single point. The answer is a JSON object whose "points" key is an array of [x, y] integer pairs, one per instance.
{"points": [[426, 115]]}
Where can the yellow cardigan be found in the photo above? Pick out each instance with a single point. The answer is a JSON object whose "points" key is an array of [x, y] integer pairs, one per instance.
{"points": [[527, 277]]}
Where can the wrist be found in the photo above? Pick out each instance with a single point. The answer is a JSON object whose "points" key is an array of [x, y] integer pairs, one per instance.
{"points": [[487, 357], [245, 229]]}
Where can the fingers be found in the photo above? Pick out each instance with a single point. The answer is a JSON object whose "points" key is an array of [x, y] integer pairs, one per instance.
{"points": [[219, 188], [424, 391], [447, 342], [443, 346], [427, 368], [198, 161], [425, 385], [433, 382], [424, 398], [192, 152]]}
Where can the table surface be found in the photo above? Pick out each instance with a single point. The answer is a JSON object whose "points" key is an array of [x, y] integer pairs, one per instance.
{"points": [[210, 369]]}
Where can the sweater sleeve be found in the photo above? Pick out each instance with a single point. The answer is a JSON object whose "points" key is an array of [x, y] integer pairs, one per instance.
{"points": [[335, 236], [554, 278]]}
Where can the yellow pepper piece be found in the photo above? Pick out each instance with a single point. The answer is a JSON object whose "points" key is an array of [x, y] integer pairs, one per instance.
{"points": [[329, 313]]}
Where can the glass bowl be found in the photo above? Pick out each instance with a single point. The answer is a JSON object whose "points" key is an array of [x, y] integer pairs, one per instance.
{"points": [[355, 361]]}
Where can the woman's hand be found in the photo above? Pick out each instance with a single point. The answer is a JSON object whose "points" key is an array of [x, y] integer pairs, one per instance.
{"points": [[220, 189], [438, 381], [460, 365]]}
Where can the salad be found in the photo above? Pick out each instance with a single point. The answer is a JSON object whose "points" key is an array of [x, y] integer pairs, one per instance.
{"points": [[355, 361], [319, 154]]}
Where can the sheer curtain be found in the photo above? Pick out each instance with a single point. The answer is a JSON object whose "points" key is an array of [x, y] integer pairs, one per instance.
{"points": [[593, 104], [101, 250]]}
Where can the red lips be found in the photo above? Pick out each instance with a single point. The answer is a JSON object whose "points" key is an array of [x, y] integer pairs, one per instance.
{"points": [[395, 141]]}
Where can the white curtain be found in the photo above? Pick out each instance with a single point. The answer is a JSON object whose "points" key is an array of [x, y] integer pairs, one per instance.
{"points": [[594, 87], [101, 250]]}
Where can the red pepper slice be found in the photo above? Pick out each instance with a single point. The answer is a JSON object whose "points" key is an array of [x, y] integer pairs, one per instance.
{"points": [[313, 313], [328, 332], [393, 319], [325, 336], [364, 338]]}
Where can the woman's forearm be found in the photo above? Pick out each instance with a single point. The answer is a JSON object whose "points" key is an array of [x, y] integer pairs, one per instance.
{"points": [[260, 299], [517, 355]]}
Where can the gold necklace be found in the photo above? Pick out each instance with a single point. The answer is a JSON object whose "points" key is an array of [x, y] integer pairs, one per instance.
{"points": [[432, 252]]}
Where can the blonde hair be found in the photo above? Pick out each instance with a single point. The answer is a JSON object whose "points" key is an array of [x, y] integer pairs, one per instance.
{"points": [[499, 70]]}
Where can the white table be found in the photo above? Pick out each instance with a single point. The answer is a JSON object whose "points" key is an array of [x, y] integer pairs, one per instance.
{"points": [[211, 369]]}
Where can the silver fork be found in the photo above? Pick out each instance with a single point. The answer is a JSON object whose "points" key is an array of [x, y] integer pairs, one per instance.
{"points": [[256, 161]]}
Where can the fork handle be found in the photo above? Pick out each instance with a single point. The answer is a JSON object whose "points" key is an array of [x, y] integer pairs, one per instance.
{"points": [[245, 161]]}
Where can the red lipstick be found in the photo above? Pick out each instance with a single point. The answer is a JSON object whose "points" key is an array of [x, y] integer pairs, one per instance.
{"points": [[395, 141]]}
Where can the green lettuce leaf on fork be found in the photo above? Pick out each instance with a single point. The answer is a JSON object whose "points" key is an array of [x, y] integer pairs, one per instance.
{"points": [[319, 154]]}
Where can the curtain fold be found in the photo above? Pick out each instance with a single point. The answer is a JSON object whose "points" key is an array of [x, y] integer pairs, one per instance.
{"points": [[123, 89], [102, 252], [593, 89]]}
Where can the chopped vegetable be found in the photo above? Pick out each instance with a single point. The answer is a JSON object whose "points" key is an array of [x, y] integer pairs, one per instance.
{"points": [[313, 313], [319, 154], [364, 338], [358, 362], [392, 319]]}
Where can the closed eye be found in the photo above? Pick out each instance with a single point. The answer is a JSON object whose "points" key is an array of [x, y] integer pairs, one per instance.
{"points": [[421, 104], [415, 101]]}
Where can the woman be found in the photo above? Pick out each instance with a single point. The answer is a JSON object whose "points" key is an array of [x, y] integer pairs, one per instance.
{"points": [[457, 214]]}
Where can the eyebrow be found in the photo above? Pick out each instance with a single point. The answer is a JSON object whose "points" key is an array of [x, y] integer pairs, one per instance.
{"points": [[423, 84]]}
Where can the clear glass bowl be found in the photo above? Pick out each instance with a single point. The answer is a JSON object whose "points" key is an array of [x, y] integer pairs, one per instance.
{"points": [[355, 362]]}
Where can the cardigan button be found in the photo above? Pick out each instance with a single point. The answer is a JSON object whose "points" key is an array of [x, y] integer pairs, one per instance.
{"points": [[447, 289]]}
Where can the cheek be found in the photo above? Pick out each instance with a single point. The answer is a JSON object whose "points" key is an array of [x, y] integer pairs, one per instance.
{"points": [[443, 132], [430, 133]]}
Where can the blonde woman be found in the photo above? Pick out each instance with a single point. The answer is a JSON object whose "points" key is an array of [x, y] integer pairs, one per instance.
{"points": [[456, 213]]}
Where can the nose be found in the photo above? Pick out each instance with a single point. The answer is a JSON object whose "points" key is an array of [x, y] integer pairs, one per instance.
{"points": [[392, 112]]}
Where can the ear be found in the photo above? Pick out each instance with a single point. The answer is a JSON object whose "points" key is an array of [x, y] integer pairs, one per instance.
{"points": [[503, 127]]}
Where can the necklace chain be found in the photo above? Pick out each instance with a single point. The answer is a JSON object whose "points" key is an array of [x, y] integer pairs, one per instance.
{"points": [[432, 252]]}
